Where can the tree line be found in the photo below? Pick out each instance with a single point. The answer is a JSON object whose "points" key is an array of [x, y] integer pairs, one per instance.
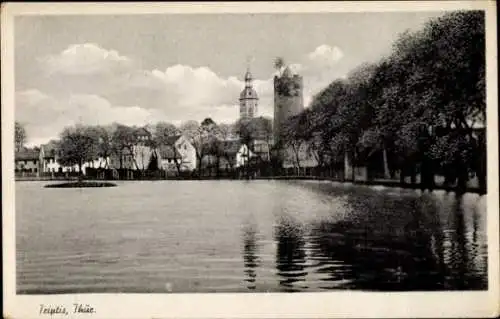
{"points": [[80, 144], [415, 109]]}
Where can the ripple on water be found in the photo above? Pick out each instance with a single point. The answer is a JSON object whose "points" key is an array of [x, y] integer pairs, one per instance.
{"points": [[231, 236]]}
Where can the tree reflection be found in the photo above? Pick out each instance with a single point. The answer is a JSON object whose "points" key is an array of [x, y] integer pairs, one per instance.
{"points": [[461, 251], [383, 245], [250, 255], [290, 255]]}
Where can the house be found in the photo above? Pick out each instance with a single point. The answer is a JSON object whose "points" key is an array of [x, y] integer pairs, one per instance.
{"points": [[169, 158], [234, 154], [142, 150], [48, 158], [261, 148], [138, 156], [28, 161], [122, 159], [300, 155], [177, 150], [143, 136]]}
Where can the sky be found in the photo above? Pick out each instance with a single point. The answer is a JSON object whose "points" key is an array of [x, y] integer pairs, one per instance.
{"points": [[140, 69]]}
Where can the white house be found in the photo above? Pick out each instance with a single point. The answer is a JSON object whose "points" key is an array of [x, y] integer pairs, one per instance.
{"points": [[235, 154], [177, 151], [137, 158]]}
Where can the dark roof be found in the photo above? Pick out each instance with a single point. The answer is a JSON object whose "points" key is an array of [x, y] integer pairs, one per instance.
{"points": [[142, 131], [27, 154]]}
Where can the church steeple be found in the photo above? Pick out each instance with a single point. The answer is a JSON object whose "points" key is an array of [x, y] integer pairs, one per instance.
{"points": [[248, 78], [248, 97]]}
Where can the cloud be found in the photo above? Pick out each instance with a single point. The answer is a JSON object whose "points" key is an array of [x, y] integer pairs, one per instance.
{"points": [[319, 68], [85, 59], [45, 116], [326, 55], [88, 83]]}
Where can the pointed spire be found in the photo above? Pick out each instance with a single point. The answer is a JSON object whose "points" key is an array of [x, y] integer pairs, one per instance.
{"points": [[248, 74]]}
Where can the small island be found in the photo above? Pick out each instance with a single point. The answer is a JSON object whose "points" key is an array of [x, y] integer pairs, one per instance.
{"points": [[81, 184]]}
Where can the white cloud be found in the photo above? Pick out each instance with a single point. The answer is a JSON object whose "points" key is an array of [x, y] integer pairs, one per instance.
{"points": [[45, 116], [85, 59], [197, 87], [326, 55], [94, 85]]}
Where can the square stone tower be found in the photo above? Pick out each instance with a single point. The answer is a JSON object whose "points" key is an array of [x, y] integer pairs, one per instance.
{"points": [[288, 100]]}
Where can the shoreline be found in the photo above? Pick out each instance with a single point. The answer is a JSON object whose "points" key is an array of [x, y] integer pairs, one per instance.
{"points": [[376, 182]]}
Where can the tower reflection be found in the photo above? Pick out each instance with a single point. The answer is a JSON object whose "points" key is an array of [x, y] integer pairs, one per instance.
{"points": [[250, 255], [290, 254]]}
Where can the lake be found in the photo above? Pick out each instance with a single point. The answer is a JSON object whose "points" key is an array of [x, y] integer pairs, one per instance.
{"points": [[246, 236]]}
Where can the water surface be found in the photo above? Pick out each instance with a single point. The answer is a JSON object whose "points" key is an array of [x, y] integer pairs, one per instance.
{"points": [[246, 236]]}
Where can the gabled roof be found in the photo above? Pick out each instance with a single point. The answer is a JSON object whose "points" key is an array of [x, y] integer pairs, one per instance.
{"points": [[27, 154], [142, 131]]}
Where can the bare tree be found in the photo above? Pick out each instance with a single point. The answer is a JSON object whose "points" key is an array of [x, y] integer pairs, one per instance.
{"points": [[19, 136]]}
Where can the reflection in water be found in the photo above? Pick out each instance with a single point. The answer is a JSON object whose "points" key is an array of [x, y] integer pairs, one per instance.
{"points": [[250, 256], [398, 243], [461, 249], [293, 236], [290, 254]]}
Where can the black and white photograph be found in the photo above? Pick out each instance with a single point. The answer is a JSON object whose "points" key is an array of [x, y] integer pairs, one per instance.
{"points": [[233, 153]]}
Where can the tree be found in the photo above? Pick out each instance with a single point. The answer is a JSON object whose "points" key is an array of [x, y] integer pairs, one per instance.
{"points": [[77, 146], [19, 136], [165, 136], [432, 81], [164, 132], [279, 63], [123, 141], [225, 130], [249, 130], [210, 145], [196, 135], [103, 146]]}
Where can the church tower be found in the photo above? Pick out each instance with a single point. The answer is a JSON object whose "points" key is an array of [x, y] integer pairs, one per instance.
{"points": [[248, 98]]}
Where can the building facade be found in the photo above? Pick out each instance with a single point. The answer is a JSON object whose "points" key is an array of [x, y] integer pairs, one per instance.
{"points": [[178, 154], [248, 99], [27, 161]]}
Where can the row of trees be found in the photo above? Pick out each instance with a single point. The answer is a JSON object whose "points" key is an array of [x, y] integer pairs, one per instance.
{"points": [[416, 109], [83, 143]]}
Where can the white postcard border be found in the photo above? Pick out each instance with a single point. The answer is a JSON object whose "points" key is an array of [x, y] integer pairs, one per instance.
{"points": [[246, 305]]}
